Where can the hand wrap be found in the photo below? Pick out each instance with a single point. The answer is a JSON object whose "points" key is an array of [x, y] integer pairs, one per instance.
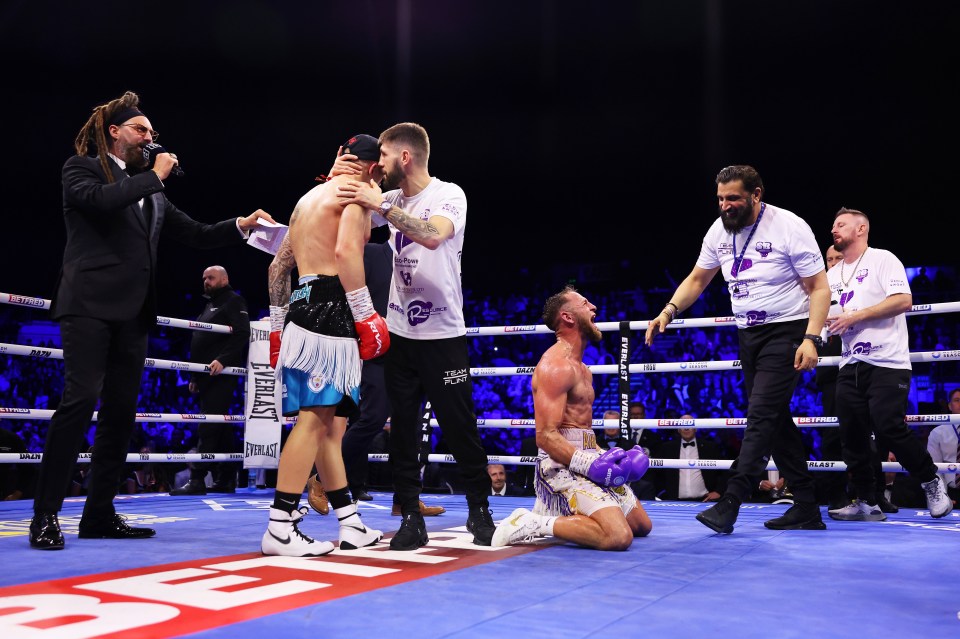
{"points": [[277, 316]]}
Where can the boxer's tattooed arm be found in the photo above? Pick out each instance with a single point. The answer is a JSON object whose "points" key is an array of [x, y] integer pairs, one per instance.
{"points": [[278, 274], [416, 229]]}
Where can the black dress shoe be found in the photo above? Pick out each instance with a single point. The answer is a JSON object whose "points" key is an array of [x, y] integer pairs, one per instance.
{"points": [[361, 495], [45, 532], [114, 528], [192, 487], [222, 488]]}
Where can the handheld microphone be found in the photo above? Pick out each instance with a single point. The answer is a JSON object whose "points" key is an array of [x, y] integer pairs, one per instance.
{"points": [[150, 153]]}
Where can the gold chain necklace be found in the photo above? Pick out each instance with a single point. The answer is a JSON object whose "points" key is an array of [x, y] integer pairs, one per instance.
{"points": [[846, 282]]}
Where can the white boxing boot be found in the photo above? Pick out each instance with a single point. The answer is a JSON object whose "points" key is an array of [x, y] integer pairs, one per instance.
{"points": [[519, 527], [353, 533], [285, 539]]}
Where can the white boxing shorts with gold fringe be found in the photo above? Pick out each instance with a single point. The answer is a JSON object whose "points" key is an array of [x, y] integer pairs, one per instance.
{"points": [[562, 492]]}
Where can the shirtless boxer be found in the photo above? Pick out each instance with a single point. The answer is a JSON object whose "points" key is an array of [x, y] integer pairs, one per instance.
{"points": [[583, 492], [317, 356]]}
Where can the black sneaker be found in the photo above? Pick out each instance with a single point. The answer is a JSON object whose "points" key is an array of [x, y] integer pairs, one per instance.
{"points": [[800, 516], [223, 488], [722, 515], [192, 487], [886, 505], [412, 533], [480, 523]]}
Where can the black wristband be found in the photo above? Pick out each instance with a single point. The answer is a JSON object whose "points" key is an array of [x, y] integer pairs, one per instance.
{"points": [[816, 339]]}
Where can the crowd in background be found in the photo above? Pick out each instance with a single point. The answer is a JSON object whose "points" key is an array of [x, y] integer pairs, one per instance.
{"points": [[38, 382]]}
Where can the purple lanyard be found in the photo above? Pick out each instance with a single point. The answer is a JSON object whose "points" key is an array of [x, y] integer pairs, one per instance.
{"points": [[738, 261]]}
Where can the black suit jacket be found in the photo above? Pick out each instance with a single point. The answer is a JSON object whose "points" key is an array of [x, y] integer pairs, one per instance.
{"points": [[230, 349], [512, 491], [668, 479], [378, 271], [110, 258]]}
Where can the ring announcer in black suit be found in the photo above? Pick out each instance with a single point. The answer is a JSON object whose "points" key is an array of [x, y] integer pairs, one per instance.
{"points": [[115, 212]]}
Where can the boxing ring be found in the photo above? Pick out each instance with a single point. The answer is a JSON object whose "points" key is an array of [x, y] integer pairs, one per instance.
{"points": [[203, 571]]}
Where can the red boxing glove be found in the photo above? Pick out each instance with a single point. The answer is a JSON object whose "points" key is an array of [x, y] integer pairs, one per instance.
{"points": [[372, 336], [274, 348]]}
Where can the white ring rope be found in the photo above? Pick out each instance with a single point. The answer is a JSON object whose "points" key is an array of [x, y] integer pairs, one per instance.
{"points": [[525, 460], [683, 322], [39, 302], [713, 423], [496, 371], [601, 369], [150, 362], [527, 329]]}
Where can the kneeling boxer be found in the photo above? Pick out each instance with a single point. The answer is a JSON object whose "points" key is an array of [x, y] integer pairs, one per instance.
{"points": [[583, 493]]}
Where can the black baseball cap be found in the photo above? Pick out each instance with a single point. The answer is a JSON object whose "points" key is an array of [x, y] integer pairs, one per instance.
{"points": [[365, 147]]}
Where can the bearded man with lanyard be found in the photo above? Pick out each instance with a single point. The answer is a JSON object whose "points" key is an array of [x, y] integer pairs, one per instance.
{"points": [[779, 296]]}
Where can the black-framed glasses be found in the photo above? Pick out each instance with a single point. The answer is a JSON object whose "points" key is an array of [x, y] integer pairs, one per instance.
{"points": [[142, 130]]}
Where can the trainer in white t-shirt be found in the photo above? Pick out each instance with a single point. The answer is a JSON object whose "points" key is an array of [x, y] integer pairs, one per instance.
{"points": [[428, 306], [780, 252], [877, 275]]}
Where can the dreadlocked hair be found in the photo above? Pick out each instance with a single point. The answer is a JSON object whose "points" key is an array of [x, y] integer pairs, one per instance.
{"points": [[94, 133]]}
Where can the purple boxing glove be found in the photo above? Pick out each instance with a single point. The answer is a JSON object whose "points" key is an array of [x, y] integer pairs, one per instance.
{"points": [[635, 463], [602, 469]]}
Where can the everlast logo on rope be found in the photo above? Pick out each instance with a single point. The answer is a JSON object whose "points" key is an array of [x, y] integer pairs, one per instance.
{"points": [[261, 450], [258, 334], [265, 384]]}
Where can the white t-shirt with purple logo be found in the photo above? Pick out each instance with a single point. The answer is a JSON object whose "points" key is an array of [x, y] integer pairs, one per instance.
{"points": [[881, 342], [426, 298], [766, 287]]}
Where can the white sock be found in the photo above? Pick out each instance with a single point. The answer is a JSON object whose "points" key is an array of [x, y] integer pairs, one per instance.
{"points": [[348, 515], [546, 525]]}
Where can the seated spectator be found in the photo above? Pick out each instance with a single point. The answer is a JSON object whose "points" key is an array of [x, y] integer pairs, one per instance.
{"points": [[695, 484], [500, 485], [16, 480]]}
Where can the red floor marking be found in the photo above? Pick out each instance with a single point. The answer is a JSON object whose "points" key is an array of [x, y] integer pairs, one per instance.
{"points": [[185, 597]]}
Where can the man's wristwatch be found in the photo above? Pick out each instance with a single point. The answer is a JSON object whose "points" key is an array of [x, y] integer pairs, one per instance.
{"points": [[816, 339], [384, 208]]}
